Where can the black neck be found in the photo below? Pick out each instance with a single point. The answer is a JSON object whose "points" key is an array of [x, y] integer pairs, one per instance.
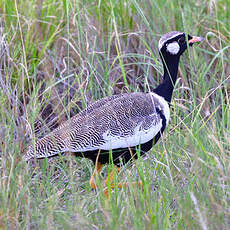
{"points": [[165, 89]]}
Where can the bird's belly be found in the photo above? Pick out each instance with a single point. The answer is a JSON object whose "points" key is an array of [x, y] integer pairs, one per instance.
{"points": [[117, 156]]}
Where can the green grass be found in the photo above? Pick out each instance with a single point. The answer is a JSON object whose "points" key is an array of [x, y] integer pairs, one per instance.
{"points": [[59, 56]]}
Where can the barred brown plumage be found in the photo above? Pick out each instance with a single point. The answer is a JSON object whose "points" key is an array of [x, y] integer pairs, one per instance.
{"points": [[120, 123], [94, 128]]}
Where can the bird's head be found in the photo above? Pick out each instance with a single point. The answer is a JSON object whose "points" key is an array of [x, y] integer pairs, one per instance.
{"points": [[175, 43]]}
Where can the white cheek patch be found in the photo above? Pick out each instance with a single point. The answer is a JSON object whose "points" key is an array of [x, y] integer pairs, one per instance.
{"points": [[173, 48]]}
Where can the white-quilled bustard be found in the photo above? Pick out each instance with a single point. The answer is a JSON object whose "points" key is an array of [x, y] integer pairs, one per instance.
{"points": [[119, 125]]}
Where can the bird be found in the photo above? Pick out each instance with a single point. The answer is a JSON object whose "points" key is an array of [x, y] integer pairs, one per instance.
{"points": [[114, 128]]}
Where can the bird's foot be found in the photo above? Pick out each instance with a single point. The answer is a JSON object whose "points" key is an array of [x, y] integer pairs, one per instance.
{"points": [[121, 185], [109, 181]]}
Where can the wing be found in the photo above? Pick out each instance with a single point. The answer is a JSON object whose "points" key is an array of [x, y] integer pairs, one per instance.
{"points": [[114, 122]]}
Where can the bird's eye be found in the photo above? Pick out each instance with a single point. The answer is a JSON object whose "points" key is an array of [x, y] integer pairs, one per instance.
{"points": [[181, 40]]}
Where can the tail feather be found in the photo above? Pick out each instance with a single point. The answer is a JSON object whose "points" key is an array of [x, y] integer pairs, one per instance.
{"points": [[47, 146]]}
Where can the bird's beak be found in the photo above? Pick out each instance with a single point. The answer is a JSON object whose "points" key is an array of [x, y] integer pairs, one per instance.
{"points": [[195, 39]]}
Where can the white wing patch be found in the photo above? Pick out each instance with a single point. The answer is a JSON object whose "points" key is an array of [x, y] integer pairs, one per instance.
{"points": [[139, 137], [164, 104], [173, 48]]}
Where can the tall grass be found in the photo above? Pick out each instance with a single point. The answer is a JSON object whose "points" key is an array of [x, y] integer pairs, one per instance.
{"points": [[56, 57]]}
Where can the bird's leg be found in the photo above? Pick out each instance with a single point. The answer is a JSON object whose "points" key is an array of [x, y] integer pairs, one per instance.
{"points": [[126, 184], [96, 171], [109, 181], [119, 185], [110, 178]]}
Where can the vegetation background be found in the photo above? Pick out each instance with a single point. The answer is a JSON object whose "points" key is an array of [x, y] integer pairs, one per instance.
{"points": [[57, 56]]}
